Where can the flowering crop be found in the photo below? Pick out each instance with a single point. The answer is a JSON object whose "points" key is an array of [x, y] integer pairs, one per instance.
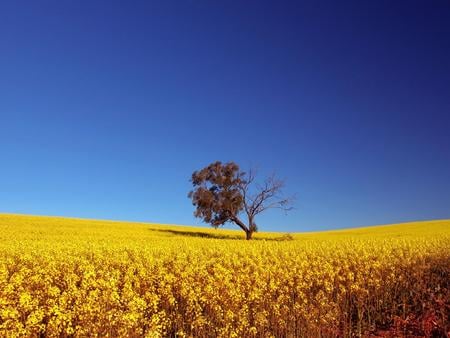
{"points": [[70, 277]]}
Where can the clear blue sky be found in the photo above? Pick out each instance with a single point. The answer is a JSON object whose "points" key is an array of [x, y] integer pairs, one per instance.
{"points": [[107, 107]]}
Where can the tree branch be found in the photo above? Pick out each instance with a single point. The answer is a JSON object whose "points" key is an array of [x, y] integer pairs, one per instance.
{"points": [[266, 197]]}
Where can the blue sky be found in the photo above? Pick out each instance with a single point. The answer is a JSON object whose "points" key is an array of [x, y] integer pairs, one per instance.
{"points": [[107, 107]]}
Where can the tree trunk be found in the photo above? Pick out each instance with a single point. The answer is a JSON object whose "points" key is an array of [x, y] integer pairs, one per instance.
{"points": [[248, 232]]}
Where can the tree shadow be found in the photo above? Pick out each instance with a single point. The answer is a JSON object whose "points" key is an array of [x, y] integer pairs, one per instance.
{"points": [[200, 234]]}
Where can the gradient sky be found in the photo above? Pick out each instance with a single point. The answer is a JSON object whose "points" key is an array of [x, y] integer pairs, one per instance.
{"points": [[107, 107]]}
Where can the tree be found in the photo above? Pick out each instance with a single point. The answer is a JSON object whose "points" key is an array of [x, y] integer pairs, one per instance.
{"points": [[222, 193]]}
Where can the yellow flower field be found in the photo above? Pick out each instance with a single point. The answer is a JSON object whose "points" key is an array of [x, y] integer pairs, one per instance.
{"points": [[69, 277]]}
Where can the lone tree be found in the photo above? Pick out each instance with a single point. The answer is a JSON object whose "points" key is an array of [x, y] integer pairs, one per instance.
{"points": [[222, 193]]}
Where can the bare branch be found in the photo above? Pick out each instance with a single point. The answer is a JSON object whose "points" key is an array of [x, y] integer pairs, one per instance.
{"points": [[268, 196]]}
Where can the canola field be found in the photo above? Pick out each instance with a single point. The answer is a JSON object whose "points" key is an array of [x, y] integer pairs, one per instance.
{"points": [[63, 277]]}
